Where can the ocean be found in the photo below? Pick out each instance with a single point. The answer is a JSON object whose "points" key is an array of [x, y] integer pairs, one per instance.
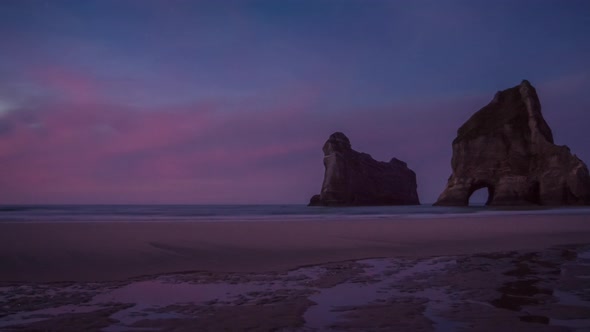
{"points": [[212, 213]]}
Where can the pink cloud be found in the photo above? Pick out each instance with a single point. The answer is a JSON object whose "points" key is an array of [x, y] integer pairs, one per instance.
{"points": [[68, 151], [67, 84]]}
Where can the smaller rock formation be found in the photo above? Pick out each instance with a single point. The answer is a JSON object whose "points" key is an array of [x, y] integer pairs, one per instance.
{"points": [[507, 147], [353, 178]]}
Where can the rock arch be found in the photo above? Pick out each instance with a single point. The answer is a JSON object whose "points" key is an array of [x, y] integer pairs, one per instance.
{"points": [[508, 147]]}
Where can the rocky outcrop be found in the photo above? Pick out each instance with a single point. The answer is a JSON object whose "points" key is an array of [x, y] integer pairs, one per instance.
{"points": [[507, 147], [353, 178]]}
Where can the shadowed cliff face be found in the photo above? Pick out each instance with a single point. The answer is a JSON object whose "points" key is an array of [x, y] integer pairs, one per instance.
{"points": [[508, 148], [355, 178]]}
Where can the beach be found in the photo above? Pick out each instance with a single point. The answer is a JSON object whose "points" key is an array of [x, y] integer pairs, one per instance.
{"points": [[102, 251], [476, 273]]}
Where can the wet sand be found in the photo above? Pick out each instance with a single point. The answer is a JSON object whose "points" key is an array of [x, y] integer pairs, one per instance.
{"points": [[45, 252], [546, 290]]}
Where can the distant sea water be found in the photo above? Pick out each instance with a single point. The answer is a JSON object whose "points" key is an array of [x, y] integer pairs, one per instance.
{"points": [[205, 213]]}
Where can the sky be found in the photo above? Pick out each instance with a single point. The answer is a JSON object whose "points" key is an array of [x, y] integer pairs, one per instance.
{"points": [[230, 102]]}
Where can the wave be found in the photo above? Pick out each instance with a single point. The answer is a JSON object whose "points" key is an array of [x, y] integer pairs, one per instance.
{"points": [[97, 213]]}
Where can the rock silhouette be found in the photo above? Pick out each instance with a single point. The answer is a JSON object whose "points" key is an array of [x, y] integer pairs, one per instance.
{"points": [[353, 178], [507, 147]]}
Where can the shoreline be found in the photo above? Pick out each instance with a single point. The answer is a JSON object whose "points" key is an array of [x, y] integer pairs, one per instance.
{"points": [[102, 251], [57, 214]]}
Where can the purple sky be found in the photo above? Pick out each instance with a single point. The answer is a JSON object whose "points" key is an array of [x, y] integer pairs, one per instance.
{"points": [[231, 101]]}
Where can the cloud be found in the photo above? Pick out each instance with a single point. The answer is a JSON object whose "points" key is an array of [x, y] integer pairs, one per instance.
{"points": [[68, 149]]}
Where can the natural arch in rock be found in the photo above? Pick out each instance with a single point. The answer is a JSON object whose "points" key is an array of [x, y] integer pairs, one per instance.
{"points": [[477, 191]]}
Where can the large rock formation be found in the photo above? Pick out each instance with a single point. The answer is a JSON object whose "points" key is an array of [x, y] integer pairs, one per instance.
{"points": [[507, 147], [355, 178]]}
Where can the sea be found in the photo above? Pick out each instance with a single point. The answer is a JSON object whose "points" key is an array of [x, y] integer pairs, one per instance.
{"points": [[286, 212]]}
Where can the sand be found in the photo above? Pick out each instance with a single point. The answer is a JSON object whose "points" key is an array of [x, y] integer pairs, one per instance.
{"points": [[102, 251], [536, 291], [518, 273]]}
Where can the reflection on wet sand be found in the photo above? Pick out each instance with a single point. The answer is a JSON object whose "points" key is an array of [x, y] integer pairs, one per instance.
{"points": [[537, 291]]}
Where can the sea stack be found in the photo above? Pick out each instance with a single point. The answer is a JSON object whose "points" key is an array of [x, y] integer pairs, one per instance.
{"points": [[507, 147], [354, 178]]}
